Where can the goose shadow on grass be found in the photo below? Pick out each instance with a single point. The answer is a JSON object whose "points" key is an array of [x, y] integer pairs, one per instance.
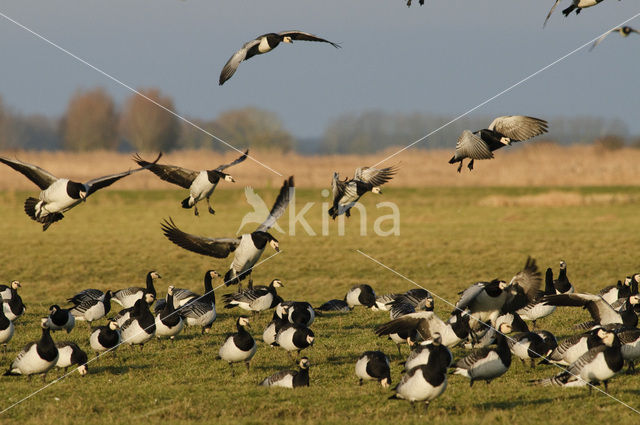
{"points": [[513, 404], [117, 369]]}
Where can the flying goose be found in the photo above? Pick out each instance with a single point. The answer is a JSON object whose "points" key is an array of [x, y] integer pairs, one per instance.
{"points": [[374, 366], [58, 195], [346, 193], [6, 328], [60, 318], [168, 322], [427, 324], [425, 350], [575, 4], [294, 338], [600, 310], [201, 184], [536, 309], [290, 378], [104, 338], [36, 357], [502, 131], [247, 248], [624, 31], [140, 327], [256, 299], [70, 354], [184, 296], [263, 44], [280, 318], [92, 310], [361, 295], [127, 297], [12, 304], [238, 347]]}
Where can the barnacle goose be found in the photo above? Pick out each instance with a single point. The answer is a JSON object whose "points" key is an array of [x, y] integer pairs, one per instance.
{"points": [[503, 131], [70, 354], [280, 319], [487, 335], [300, 313], [140, 327], [104, 338], [201, 184], [486, 363], [11, 301], [126, 313], [86, 295], [294, 338], [200, 311], [528, 346], [374, 366], [290, 378], [168, 322], [624, 31], [6, 328], [36, 357], [613, 293], [630, 348], [383, 302], [427, 324], [256, 299], [600, 310], [60, 318], [263, 44], [335, 305], [425, 350], [247, 248], [238, 347], [570, 349], [346, 193], [361, 295], [6, 292], [419, 298], [627, 311], [562, 283], [91, 310], [184, 296], [576, 5], [536, 309], [399, 309], [127, 297], [58, 195]]}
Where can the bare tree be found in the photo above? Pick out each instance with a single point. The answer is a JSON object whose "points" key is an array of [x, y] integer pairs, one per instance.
{"points": [[90, 122], [253, 127]]}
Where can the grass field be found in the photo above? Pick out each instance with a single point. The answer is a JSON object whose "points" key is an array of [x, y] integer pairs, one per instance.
{"points": [[449, 239]]}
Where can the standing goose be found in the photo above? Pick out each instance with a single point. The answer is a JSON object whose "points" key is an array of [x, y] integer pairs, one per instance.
{"points": [[86, 295], [238, 347], [185, 296], [347, 192], [105, 338], [70, 354], [127, 313], [6, 328], [427, 324], [168, 322], [502, 131], [528, 346], [140, 327], [247, 248], [6, 292], [630, 346], [201, 184], [127, 297], [562, 283], [300, 313], [486, 363], [613, 293], [536, 309], [624, 31], [294, 338], [200, 312], [256, 299], [263, 44], [60, 318], [91, 310], [374, 366], [361, 295], [58, 195], [280, 318], [570, 349], [576, 5], [290, 378], [424, 351], [36, 357], [12, 302]]}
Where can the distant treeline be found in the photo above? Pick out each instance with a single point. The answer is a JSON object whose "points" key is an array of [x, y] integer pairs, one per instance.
{"points": [[93, 121]]}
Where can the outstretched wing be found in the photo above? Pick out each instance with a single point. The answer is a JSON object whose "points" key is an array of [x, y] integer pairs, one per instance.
{"points": [[602, 37], [374, 176], [305, 36], [519, 127], [279, 206], [234, 61], [237, 161], [102, 182], [43, 179], [550, 12], [214, 247], [468, 295], [338, 186], [472, 146], [182, 177]]}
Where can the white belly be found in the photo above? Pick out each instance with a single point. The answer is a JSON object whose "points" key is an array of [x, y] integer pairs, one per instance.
{"points": [[135, 334], [597, 370], [488, 368], [285, 339], [420, 359], [56, 199], [269, 334], [31, 363], [201, 187], [361, 369], [163, 330], [232, 354], [286, 382], [418, 389], [629, 351], [7, 334], [64, 356], [246, 255]]}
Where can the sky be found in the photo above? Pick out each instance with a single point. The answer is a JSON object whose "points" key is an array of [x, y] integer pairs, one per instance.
{"points": [[443, 58]]}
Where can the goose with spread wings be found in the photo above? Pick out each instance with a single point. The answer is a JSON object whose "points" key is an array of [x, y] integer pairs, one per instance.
{"points": [[247, 248], [201, 184], [263, 44], [502, 131], [346, 193], [59, 195], [624, 31], [600, 310], [576, 5]]}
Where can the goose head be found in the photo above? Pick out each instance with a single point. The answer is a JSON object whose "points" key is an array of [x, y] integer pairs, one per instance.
{"points": [[287, 39], [154, 275], [274, 244], [83, 370], [170, 290], [228, 178], [113, 325], [149, 298], [276, 283], [377, 190], [243, 322], [15, 285], [304, 363]]}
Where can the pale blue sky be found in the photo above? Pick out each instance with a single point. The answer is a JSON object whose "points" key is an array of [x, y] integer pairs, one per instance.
{"points": [[443, 58]]}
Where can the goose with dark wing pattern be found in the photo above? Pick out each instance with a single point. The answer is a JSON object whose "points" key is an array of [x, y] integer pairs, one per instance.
{"points": [[624, 31], [346, 193]]}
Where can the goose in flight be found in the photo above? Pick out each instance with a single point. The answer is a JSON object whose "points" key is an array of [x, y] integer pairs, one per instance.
{"points": [[247, 248], [263, 44], [59, 195], [575, 4], [624, 31], [347, 192], [502, 131], [201, 184]]}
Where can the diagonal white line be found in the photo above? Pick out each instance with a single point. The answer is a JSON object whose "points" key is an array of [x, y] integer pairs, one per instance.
{"points": [[491, 327], [55, 381], [508, 89], [128, 87]]}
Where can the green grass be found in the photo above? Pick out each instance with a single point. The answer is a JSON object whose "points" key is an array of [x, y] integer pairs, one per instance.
{"points": [[447, 242]]}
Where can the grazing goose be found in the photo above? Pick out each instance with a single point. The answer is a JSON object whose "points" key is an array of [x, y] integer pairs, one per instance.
{"points": [[12, 302], [70, 354], [383, 302], [346, 193], [570, 349], [60, 318], [168, 322], [280, 319], [294, 338], [536, 309], [58, 195], [630, 341], [185, 296], [562, 284], [86, 295], [419, 298], [257, 299], [335, 305], [425, 350], [200, 312], [238, 347], [247, 248], [374, 366], [126, 313], [576, 5], [201, 184], [597, 365], [486, 363], [361, 295], [127, 297], [600, 310], [300, 313], [502, 131], [263, 44], [91, 310], [6, 328], [290, 378], [427, 324], [140, 327], [105, 338], [36, 357], [623, 31]]}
